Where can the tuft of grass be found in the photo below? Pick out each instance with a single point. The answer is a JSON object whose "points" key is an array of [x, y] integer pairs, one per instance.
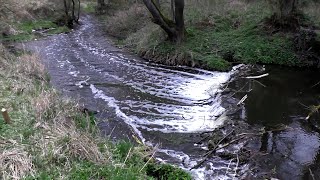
{"points": [[15, 162]]}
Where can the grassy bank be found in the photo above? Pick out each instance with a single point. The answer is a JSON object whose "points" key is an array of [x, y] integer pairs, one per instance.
{"points": [[52, 138], [30, 19], [220, 33]]}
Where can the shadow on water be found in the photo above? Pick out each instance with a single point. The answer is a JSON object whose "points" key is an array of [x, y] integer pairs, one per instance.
{"points": [[282, 99]]}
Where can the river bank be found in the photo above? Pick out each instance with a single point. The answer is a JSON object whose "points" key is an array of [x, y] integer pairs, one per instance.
{"points": [[219, 35], [50, 135]]}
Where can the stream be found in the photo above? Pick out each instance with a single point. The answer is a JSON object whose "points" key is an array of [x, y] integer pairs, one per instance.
{"points": [[171, 106]]}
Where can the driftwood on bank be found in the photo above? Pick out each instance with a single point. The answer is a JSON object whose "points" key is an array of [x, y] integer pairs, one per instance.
{"points": [[257, 77]]}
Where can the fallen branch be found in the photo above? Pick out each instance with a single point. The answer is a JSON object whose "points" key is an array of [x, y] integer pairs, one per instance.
{"points": [[257, 77]]}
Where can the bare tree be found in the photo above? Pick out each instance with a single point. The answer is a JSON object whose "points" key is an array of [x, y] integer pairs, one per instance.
{"points": [[174, 29], [70, 12]]}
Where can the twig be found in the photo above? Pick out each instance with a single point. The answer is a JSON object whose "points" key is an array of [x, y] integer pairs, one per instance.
{"points": [[259, 83], [257, 77], [239, 90], [235, 170], [154, 152], [315, 84], [127, 157], [228, 167], [242, 100], [210, 152], [247, 134], [203, 139], [311, 174], [111, 132], [231, 142]]}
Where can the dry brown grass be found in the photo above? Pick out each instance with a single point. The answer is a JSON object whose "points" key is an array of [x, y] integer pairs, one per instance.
{"points": [[59, 136], [15, 162], [125, 22], [54, 136], [65, 143], [31, 66]]}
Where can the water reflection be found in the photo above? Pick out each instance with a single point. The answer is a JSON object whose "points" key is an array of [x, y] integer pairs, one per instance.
{"points": [[280, 99]]}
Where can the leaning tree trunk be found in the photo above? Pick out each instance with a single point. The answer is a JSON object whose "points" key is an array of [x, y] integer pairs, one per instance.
{"points": [[175, 30]]}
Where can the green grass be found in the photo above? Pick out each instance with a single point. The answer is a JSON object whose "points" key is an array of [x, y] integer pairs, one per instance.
{"points": [[89, 7], [222, 43], [27, 30]]}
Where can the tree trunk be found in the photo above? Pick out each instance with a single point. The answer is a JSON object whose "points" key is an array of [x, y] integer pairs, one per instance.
{"points": [[179, 20], [100, 7], [79, 7], [68, 19], [175, 30], [287, 8], [173, 10], [70, 12], [285, 16]]}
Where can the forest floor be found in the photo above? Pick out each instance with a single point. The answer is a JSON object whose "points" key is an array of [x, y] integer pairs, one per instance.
{"points": [[219, 34]]}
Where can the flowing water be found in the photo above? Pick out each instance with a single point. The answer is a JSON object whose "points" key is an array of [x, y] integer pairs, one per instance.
{"points": [[164, 105]]}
